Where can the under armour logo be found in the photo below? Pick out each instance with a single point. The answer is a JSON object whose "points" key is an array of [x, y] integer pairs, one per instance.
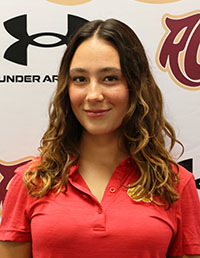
{"points": [[17, 27], [179, 53]]}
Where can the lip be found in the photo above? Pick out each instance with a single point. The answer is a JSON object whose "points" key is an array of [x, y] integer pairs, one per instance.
{"points": [[96, 112]]}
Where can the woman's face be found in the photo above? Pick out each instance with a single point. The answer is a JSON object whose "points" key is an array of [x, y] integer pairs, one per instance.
{"points": [[97, 89]]}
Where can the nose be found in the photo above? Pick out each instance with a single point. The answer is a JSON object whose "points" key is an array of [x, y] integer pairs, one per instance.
{"points": [[94, 92]]}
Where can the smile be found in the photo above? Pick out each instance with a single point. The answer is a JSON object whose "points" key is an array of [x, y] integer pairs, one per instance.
{"points": [[97, 112]]}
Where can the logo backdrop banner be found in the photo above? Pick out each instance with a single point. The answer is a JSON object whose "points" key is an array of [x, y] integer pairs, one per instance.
{"points": [[31, 48]]}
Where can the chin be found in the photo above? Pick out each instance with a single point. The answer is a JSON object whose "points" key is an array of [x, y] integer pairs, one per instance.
{"points": [[99, 132]]}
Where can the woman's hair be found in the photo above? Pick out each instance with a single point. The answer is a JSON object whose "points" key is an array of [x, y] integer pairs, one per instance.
{"points": [[144, 127]]}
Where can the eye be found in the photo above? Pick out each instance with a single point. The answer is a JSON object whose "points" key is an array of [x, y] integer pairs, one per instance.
{"points": [[111, 78], [79, 79]]}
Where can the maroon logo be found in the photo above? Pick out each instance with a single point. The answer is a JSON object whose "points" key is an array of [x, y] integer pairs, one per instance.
{"points": [[179, 51]]}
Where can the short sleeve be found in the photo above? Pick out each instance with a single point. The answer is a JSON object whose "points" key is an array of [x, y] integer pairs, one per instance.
{"points": [[187, 239], [15, 224]]}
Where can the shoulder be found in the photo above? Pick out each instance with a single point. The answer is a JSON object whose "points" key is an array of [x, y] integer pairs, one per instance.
{"points": [[17, 194], [22, 169], [184, 175], [187, 186], [185, 178], [17, 179]]}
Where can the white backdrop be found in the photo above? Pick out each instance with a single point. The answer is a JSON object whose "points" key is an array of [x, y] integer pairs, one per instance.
{"points": [[24, 104]]}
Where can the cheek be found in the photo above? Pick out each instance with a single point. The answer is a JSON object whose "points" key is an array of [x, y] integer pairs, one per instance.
{"points": [[120, 99], [75, 96]]}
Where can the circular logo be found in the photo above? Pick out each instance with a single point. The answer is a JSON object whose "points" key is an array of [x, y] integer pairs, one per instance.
{"points": [[69, 2], [157, 1]]}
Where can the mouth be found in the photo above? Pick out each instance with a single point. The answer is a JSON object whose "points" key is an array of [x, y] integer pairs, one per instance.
{"points": [[96, 112]]}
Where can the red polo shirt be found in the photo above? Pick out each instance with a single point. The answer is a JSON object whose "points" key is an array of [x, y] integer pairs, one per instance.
{"points": [[74, 224]]}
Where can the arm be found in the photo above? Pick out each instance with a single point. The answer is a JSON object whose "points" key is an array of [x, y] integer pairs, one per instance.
{"points": [[187, 238], [10, 249]]}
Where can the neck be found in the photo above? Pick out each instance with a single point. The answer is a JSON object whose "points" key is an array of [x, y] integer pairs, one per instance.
{"points": [[102, 149]]}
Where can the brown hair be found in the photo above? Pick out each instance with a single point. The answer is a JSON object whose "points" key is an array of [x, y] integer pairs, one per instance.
{"points": [[143, 128]]}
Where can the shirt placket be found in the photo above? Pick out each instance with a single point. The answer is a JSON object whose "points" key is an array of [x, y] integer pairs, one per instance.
{"points": [[118, 178], [99, 220]]}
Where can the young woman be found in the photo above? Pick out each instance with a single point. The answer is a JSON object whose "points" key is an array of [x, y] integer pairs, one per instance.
{"points": [[104, 185]]}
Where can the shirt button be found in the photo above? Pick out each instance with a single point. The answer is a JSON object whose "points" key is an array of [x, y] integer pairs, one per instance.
{"points": [[112, 189], [100, 211]]}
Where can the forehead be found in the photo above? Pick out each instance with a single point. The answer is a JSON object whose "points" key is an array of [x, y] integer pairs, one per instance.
{"points": [[95, 52]]}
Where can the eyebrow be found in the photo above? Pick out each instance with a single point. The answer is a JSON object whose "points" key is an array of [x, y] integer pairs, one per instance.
{"points": [[105, 69]]}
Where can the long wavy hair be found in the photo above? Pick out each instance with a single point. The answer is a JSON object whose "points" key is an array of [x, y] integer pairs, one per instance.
{"points": [[144, 127]]}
